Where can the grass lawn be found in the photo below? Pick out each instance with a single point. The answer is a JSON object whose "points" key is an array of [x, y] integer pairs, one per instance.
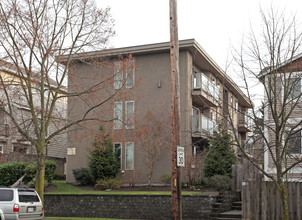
{"points": [[66, 188]]}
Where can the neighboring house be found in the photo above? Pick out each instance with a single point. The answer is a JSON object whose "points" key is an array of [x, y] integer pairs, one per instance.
{"points": [[13, 146], [288, 82], [207, 97]]}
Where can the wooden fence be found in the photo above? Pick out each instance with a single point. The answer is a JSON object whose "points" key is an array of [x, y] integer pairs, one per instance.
{"points": [[243, 172], [261, 200]]}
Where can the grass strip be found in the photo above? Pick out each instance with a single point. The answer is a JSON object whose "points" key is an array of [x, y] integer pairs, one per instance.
{"points": [[67, 188]]}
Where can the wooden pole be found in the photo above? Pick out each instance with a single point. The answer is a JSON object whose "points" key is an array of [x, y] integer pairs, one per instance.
{"points": [[175, 98]]}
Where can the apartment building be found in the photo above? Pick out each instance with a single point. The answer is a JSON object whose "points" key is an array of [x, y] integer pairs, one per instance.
{"points": [[207, 97], [13, 146], [282, 117]]}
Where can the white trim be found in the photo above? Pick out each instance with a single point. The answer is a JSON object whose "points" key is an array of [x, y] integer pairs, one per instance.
{"points": [[126, 145], [126, 115], [1, 149], [266, 135]]}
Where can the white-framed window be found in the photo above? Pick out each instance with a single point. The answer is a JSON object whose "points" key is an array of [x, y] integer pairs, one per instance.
{"points": [[124, 69], [129, 113], [118, 152], [236, 105], [129, 154], [130, 75], [118, 114], [295, 143], [1, 149], [118, 74], [295, 87]]}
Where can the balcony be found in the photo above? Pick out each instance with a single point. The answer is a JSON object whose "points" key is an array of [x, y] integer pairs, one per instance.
{"points": [[205, 93], [202, 126], [244, 124]]}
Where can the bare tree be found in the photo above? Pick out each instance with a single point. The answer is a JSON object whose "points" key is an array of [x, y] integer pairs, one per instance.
{"points": [[152, 137], [272, 58], [33, 36]]}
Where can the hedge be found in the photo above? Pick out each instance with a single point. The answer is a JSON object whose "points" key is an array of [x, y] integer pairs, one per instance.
{"points": [[12, 171]]}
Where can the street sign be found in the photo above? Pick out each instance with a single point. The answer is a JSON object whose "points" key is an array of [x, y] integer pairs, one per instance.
{"points": [[180, 156]]}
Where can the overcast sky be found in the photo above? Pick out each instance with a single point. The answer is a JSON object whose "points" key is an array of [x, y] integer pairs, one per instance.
{"points": [[214, 24]]}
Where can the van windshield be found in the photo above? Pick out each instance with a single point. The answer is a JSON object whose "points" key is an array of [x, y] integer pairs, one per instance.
{"points": [[28, 197], [6, 195]]}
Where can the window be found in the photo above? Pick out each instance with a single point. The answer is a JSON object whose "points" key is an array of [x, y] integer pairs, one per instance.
{"points": [[121, 67], [20, 149], [130, 75], [28, 196], [195, 120], [232, 102], [295, 88], [129, 156], [194, 150], [196, 80], [236, 105], [1, 149], [6, 195], [47, 129], [118, 75], [294, 143], [129, 114], [118, 151], [118, 110]]}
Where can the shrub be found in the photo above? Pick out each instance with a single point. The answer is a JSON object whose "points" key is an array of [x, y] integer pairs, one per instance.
{"points": [[132, 177], [103, 162], [11, 172], [218, 182], [220, 157], [32, 183], [59, 177], [108, 184], [165, 178], [83, 176], [31, 170]]}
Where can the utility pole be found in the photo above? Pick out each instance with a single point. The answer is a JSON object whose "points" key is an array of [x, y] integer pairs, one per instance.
{"points": [[174, 57]]}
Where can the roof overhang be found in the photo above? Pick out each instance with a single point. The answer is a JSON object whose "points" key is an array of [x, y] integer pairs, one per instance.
{"points": [[201, 58]]}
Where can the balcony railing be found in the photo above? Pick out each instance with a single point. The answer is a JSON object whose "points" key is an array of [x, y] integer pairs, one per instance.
{"points": [[201, 81], [244, 122], [207, 124], [202, 123]]}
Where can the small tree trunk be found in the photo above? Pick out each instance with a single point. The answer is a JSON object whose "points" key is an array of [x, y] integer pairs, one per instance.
{"points": [[40, 177], [284, 202], [150, 174]]}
